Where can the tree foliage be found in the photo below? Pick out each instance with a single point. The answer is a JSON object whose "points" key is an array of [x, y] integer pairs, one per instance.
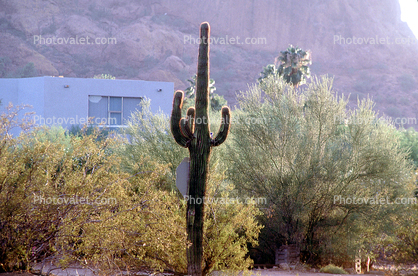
{"points": [[85, 198], [293, 66], [296, 150], [228, 227], [43, 173], [104, 77], [216, 101], [409, 141]]}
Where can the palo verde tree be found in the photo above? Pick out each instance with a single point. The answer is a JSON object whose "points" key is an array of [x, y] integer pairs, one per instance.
{"points": [[193, 133], [310, 157]]}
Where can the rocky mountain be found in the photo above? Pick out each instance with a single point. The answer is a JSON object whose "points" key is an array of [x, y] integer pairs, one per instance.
{"points": [[363, 44]]}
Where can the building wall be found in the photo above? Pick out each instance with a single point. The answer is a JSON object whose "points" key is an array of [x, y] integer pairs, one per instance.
{"points": [[50, 99], [31, 91]]}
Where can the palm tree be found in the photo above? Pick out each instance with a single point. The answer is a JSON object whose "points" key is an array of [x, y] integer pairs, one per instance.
{"points": [[293, 65]]}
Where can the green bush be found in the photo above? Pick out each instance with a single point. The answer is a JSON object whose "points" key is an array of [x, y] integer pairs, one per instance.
{"points": [[332, 269], [40, 170], [229, 228], [302, 150], [133, 218]]}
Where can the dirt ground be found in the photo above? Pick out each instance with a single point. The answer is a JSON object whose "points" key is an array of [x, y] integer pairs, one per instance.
{"points": [[274, 272], [255, 272]]}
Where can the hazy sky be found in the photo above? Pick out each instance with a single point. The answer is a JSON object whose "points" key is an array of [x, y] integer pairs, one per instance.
{"points": [[409, 10]]}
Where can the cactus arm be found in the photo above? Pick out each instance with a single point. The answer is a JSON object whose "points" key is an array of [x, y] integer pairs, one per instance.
{"points": [[185, 129], [224, 128], [190, 119], [175, 119]]}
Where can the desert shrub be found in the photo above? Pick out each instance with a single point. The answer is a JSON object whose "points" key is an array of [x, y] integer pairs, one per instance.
{"points": [[142, 229], [104, 77], [332, 269], [149, 136], [228, 227], [409, 141], [402, 245], [304, 151], [69, 197], [150, 226], [42, 172]]}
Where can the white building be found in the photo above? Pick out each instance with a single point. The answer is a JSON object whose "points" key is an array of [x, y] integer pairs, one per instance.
{"points": [[71, 101]]}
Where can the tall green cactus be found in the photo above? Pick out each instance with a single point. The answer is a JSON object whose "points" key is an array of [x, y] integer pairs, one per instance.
{"points": [[193, 133]]}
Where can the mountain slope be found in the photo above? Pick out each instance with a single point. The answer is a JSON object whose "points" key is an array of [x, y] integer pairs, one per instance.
{"points": [[154, 41]]}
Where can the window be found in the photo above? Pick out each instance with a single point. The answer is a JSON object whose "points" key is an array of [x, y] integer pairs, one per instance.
{"points": [[109, 110]]}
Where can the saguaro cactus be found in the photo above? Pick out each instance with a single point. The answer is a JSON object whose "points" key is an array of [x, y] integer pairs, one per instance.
{"points": [[193, 133]]}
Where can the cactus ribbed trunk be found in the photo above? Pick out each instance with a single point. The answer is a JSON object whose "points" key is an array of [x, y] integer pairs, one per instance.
{"points": [[193, 133]]}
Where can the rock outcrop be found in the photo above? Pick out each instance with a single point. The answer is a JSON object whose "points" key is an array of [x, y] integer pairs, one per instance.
{"points": [[363, 44]]}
